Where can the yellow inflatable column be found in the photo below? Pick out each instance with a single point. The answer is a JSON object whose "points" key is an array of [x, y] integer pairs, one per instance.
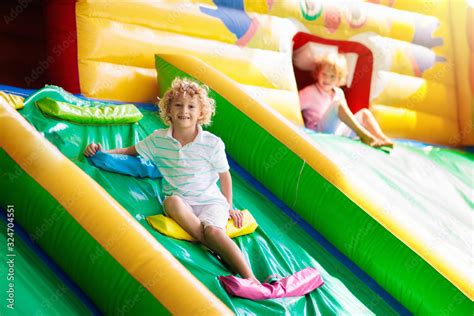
{"points": [[116, 45], [462, 23]]}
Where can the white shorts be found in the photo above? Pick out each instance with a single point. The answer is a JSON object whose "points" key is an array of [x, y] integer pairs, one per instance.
{"points": [[210, 214], [331, 124]]}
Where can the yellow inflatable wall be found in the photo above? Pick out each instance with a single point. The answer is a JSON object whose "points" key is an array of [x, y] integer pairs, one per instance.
{"points": [[421, 83]]}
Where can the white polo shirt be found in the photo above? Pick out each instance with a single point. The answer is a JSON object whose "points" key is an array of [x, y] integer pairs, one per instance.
{"points": [[189, 171]]}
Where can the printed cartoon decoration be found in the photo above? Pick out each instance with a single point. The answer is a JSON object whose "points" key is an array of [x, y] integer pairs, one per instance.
{"points": [[311, 9], [234, 17]]}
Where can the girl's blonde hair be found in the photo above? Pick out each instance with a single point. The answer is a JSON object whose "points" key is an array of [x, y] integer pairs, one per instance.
{"points": [[334, 62], [185, 86]]}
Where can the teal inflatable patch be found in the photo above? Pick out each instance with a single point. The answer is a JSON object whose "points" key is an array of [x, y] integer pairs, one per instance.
{"points": [[124, 164]]}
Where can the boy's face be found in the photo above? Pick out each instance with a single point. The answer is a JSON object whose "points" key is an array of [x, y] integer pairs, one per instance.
{"points": [[185, 111], [327, 78]]}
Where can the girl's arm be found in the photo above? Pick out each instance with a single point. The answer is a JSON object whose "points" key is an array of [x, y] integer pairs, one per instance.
{"points": [[92, 149], [346, 116], [226, 188]]}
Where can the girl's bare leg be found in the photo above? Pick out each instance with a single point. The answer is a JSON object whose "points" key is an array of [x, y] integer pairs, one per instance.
{"points": [[370, 123]]}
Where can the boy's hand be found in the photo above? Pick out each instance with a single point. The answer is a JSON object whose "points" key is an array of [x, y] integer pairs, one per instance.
{"points": [[238, 218], [92, 149]]}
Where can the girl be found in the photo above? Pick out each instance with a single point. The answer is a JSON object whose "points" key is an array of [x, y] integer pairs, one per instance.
{"points": [[324, 107]]}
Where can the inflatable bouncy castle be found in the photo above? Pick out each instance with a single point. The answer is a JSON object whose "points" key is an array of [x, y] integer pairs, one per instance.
{"points": [[389, 232]]}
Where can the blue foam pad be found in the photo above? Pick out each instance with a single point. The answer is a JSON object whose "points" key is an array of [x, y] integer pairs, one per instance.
{"points": [[124, 164]]}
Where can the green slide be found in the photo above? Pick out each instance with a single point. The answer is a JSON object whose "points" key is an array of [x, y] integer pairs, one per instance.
{"points": [[29, 286], [278, 246]]}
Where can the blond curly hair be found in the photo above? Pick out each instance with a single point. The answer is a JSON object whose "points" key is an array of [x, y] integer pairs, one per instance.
{"points": [[185, 86], [334, 62]]}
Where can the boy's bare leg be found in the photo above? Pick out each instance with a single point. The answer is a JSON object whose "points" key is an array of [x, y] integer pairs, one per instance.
{"points": [[370, 123], [213, 237], [182, 213], [223, 245]]}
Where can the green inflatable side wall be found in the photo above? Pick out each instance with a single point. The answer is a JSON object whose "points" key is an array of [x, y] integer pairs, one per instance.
{"points": [[28, 285]]}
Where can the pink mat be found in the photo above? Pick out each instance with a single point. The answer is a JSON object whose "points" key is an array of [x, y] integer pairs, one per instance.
{"points": [[297, 284]]}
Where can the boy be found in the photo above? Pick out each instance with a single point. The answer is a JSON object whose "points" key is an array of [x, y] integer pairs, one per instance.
{"points": [[192, 161]]}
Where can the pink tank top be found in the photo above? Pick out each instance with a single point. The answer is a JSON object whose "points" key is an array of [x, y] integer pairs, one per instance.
{"points": [[315, 103]]}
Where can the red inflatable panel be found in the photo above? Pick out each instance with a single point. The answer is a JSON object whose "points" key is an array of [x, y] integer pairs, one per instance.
{"points": [[62, 44], [358, 95]]}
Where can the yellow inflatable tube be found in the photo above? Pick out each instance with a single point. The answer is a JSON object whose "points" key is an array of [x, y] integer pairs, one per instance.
{"points": [[431, 128], [135, 45], [14, 100], [102, 217]]}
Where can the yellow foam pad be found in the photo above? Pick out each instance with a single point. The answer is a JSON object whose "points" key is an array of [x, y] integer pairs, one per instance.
{"points": [[167, 226]]}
